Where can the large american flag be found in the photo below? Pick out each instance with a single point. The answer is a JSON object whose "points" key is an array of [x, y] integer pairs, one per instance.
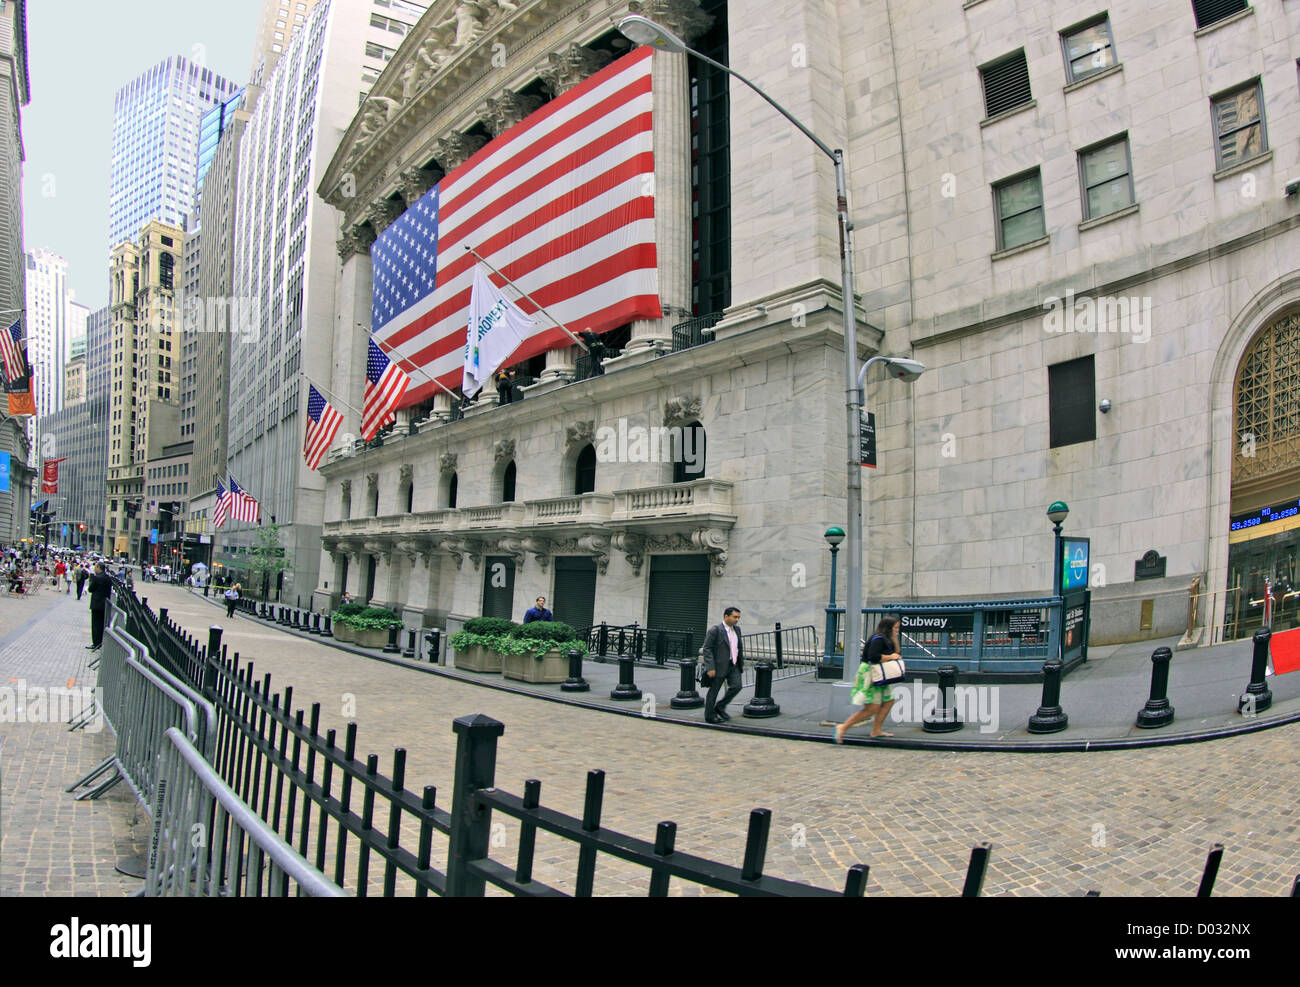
{"points": [[562, 204], [242, 506], [222, 511], [385, 385], [12, 353], [323, 420]]}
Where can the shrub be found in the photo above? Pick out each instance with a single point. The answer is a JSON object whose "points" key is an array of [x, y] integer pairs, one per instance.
{"points": [[348, 609], [489, 626], [363, 618], [547, 630]]}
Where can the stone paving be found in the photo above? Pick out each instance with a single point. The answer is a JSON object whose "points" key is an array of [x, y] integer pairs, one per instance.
{"points": [[1134, 822], [51, 844]]}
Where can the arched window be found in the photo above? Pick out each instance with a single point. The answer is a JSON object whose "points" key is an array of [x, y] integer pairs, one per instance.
{"points": [[585, 471], [508, 484], [410, 497], [451, 491], [688, 452], [1268, 403]]}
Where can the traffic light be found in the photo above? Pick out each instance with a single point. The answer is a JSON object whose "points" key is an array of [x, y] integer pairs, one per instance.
{"points": [[81, 527]]}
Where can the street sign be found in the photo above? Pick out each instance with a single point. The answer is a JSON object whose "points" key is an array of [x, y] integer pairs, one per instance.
{"points": [[867, 438], [1074, 564]]}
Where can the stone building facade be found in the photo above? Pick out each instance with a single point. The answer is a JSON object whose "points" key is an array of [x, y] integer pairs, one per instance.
{"points": [[1015, 190]]}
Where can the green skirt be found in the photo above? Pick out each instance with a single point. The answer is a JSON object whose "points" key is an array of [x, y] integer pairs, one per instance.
{"points": [[866, 694]]}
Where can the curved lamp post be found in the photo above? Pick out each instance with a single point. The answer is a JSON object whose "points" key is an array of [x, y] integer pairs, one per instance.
{"points": [[833, 536], [644, 31]]}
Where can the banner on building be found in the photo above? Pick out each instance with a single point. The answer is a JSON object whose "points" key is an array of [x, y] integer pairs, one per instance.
{"points": [[4, 471], [50, 475]]}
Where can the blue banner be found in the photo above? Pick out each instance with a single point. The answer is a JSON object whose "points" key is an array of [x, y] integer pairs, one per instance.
{"points": [[153, 536], [4, 471]]}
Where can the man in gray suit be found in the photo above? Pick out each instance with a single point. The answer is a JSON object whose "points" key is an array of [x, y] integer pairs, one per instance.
{"points": [[724, 657]]}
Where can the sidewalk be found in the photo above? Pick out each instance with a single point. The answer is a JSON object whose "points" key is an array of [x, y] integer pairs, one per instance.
{"points": [[1101, 698]]}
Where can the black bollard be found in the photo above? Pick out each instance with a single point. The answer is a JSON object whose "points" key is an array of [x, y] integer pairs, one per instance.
{"points": [[626, 688], [391, 647], [434, 640], [687, 697], [205, 589], [299, 603], [315, 622], [575, 682], [325, 626], [1158, 712], [1050, 718], [602, 642], [944, 718], [1258, 696], [293, 619], [762, 704], [409, 651]]}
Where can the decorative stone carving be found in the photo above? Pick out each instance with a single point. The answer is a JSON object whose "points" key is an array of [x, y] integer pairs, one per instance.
{"points": [[714, 541], [683, 17], [405, 474], [433, 53], [447, 463], [513, 547], [374, 116], [355, 240], [681, 411], [411, 549], [500, 9], [455, 149], [346, 486], [540, 548], [457, 548], [468, 23], [503, 451], [506, 110], [372, 482], [632, 546], [580, 434], [597, 546], [382, 549], [565, 69], [382, 213], [415, 182]]}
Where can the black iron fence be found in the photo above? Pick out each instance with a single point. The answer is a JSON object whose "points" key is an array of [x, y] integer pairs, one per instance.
{"points": [[789, 650], [694, 332], [646, 645]]}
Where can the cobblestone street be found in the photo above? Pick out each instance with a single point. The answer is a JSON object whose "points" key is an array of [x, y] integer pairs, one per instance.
{"points": [[1122, 822]]}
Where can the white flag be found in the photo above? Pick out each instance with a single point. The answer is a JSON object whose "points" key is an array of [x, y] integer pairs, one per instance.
{"points": [[497, 326]]}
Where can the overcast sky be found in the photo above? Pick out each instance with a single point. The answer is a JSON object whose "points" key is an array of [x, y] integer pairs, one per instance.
{"points": [[79, 53]]}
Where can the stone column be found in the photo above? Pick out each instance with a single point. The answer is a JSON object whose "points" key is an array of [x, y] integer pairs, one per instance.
{"points": [[346, 369], [560, 363]]}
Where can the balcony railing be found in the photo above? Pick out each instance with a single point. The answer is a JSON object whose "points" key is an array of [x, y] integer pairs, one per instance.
{"points": [[695, 332]]}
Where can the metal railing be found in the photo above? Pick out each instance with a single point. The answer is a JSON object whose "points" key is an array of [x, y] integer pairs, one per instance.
{"points": [[239, 856], [789, 650], [694, 332], [646, 645]]}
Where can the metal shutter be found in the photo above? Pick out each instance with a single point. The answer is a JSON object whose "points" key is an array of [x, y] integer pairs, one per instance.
{"points": [[1072, 392], [1006, 84], [1209, 11], [499, 601], [679, 595], [574, 600]]}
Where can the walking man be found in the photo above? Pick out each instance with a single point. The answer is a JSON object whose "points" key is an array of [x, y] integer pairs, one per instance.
{"points": [[81, 579], [538, 611], [100, 588], [724, 658]]}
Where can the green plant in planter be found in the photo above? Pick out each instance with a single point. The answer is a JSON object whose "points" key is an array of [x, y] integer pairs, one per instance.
{"points": [[543, 635], [484, 632], [364, 618]]}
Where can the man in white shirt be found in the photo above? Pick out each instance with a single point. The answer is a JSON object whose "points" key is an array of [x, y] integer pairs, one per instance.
{"points": [[724, 658]]}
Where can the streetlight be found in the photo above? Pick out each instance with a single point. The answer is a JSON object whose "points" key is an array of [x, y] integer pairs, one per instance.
{"points": [[1057, 513], [833, 536], [644, 31]]}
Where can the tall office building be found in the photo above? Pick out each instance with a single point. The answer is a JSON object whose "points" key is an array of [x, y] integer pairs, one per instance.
{"points": [[284, 258], [14, 440], [155, 141], [277, 25], [54, 320]]}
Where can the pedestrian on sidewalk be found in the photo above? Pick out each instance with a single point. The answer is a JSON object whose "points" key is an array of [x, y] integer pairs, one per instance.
{"points": [[60, 572], [874, 699], [232, 597], [724, 659], [81, 579], [100, 588]]}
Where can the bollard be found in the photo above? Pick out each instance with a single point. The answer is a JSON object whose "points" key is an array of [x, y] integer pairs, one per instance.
{"points": [[1050, 718], [1158, 712], [325, 626], [434, 640], [687, 697], [575, 682], [1258, 696], [299, 603], [391, 647], [293, 619], [205, 589], [762, 705], [626, 688], [944, 719], [409, 650], [602, 642], [315, 622]]}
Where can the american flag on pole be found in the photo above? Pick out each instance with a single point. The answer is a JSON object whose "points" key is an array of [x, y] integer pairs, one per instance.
{"points": [[242, 506], [385, 385], [562, 203], [222, 511], [12, 353], [323, 421]]}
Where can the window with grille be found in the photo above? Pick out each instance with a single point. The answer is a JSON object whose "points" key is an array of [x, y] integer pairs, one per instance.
{"points": [[1105, 174], [1089, 49], [1239, 125], [1006, 84], [1018, 202], [1072, 390], [1209, 12], [1268, 403]]}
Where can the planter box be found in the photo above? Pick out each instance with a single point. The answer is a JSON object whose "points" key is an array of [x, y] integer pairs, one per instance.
{"points": [[551, 667], [364, 639], [479, 659]]}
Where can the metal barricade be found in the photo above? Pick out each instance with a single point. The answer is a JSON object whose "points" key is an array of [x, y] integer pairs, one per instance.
{"points": [[237, 855]]}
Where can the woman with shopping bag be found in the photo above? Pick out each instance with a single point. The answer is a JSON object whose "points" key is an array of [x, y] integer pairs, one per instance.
{"points": [[872, 689]]}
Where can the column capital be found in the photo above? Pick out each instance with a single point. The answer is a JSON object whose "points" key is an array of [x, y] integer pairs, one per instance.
{"points": [[506, 109], [563, 70], [683, 17]]}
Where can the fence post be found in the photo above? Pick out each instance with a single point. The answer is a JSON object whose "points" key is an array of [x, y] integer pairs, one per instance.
{"points": [[626, 688], [471, 826], [1158, 712], [209, 683], [602, 644], [575, 682], [1050, 718], [1258, 696], [945, 718], [762, 704], [687, 697], [780, 661], [162, 616]]}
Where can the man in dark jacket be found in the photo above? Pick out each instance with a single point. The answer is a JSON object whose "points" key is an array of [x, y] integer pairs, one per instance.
{"points": [[100, 588], [538, 612], [724, 659], [81, 579]]}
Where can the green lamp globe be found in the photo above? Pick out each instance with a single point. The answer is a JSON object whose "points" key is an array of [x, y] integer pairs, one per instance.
{"points": [[1058, 512], [834, 535]]}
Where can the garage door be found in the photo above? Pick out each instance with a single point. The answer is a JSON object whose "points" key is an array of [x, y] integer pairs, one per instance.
{"points": [[499, 587], [574, 602], [679, 595]]}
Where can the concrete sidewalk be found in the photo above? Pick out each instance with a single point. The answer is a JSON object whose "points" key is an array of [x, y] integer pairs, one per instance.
{"points": [[1102, 698]]}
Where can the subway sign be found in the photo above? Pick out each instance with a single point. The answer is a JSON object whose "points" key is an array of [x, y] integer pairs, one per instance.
{"points": [[938, 623]]}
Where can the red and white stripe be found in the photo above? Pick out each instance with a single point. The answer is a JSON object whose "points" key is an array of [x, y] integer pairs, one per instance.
{"points": [[245, 508], [382, 399], [563, 204], [221, 512], [320, 435]]}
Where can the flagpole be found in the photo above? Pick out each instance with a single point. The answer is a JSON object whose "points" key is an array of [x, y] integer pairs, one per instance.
{"points": [[540, 308], [401, 359], [330, 394]]}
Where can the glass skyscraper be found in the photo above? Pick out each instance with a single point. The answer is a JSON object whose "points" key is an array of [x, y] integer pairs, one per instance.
{"points": [[155, 144]]}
